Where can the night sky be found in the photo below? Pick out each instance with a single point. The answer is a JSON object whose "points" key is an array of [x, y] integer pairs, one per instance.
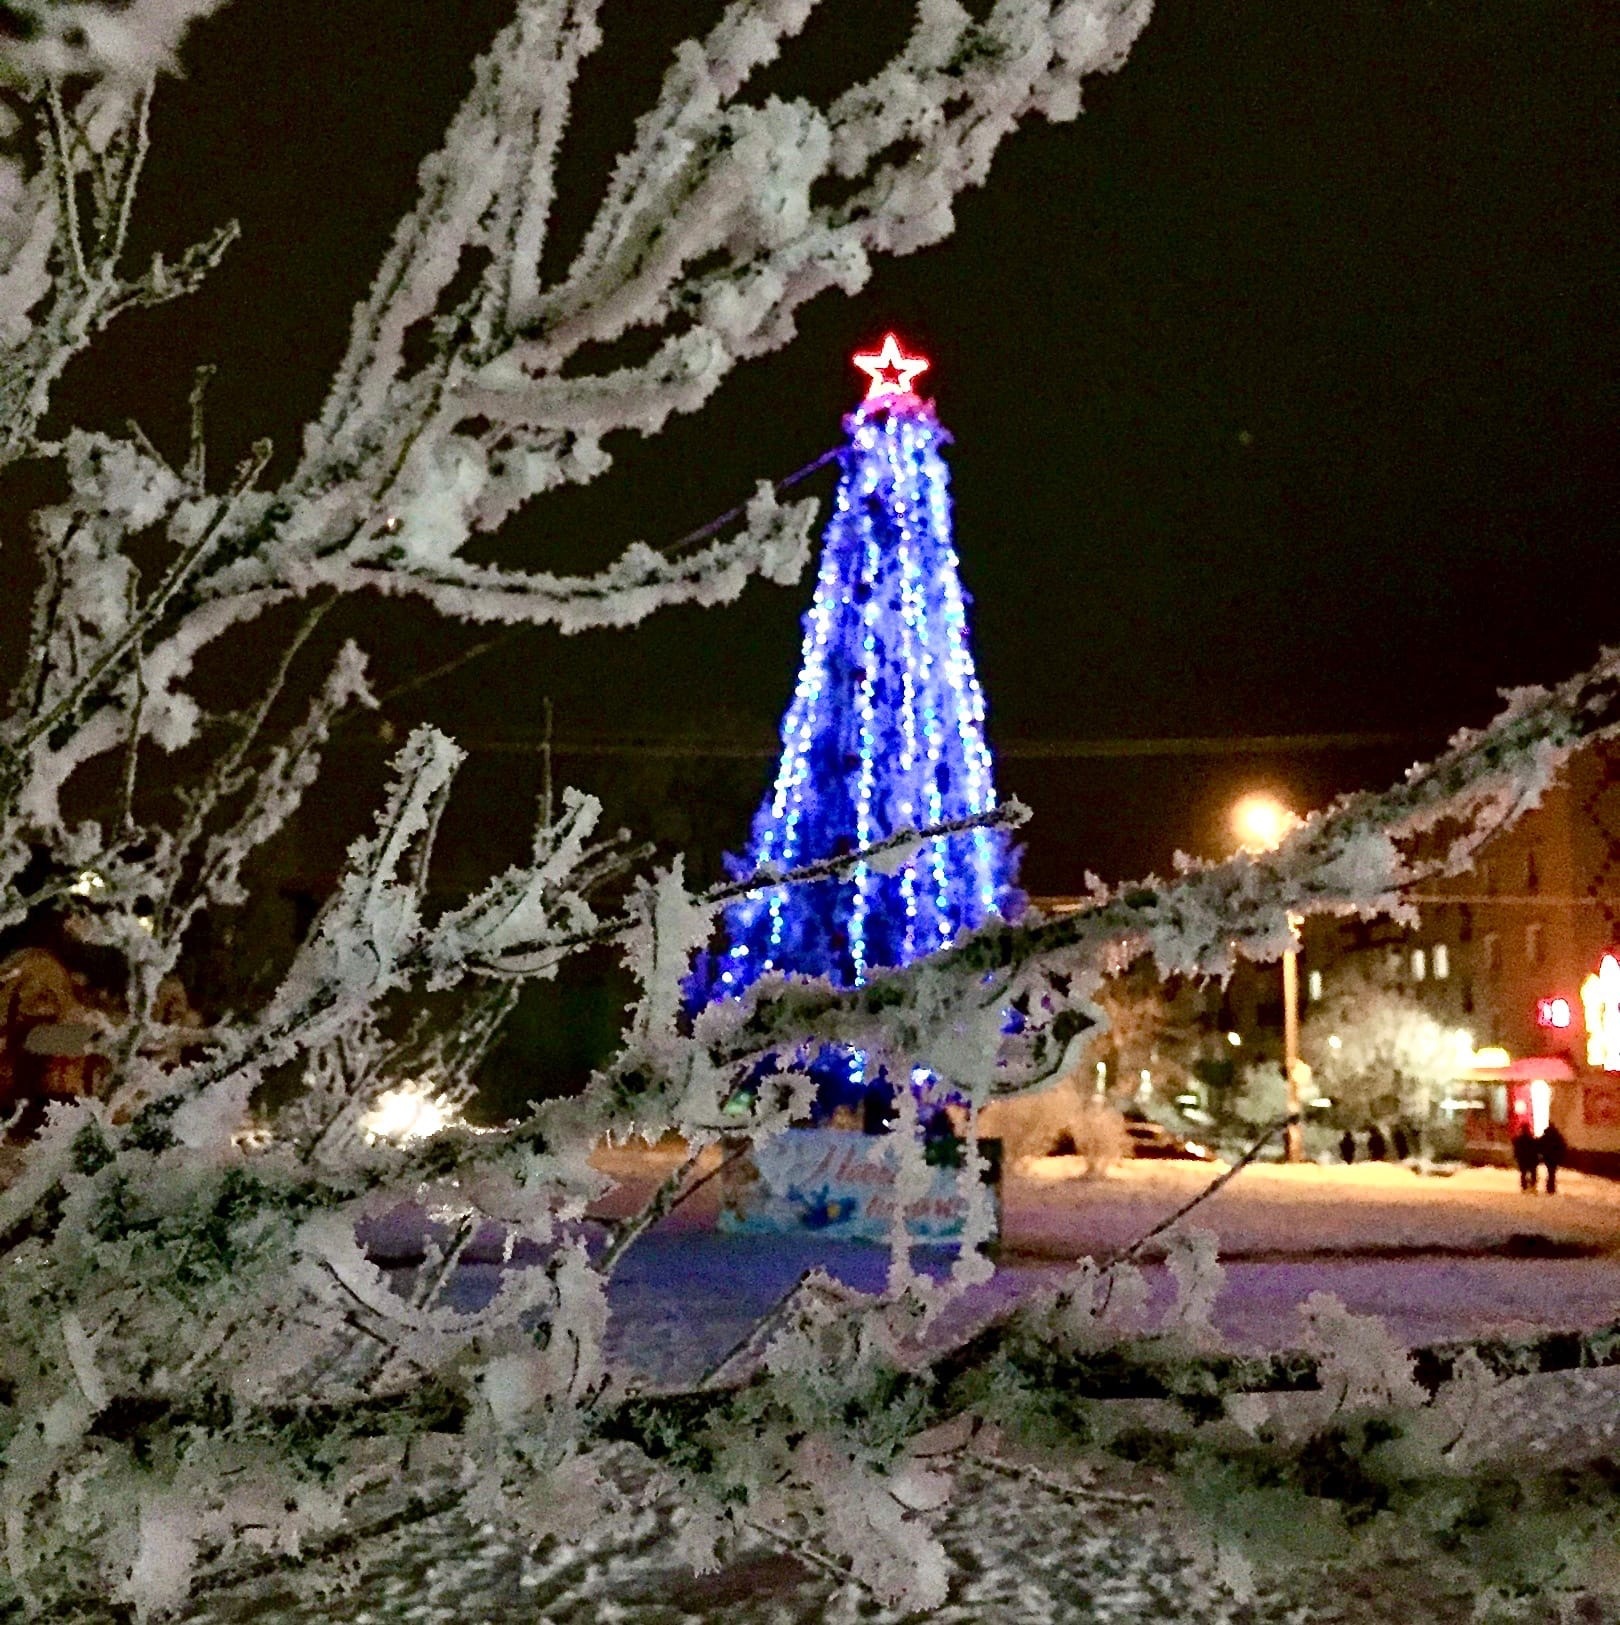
{"points": [[1282, 381]]}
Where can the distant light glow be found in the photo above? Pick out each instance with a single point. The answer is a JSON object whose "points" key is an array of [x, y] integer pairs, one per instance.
{"points": [[889, 369], [1540, 1105], [1235, 1040], [1600, 1003], [1261, 821], [1493, 1055], [414, 1111]]}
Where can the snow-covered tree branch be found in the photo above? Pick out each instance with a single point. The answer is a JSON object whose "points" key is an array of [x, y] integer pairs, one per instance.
{"points": [[205, 1374]]}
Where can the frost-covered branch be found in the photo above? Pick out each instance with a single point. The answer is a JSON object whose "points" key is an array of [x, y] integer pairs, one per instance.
{"points": [[206, 1375], [726, 214], [62, 273]]}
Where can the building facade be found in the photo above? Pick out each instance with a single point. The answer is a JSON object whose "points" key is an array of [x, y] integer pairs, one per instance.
{"points": [[1513, 953]]}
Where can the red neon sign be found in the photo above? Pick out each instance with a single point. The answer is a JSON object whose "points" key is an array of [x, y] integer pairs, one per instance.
{"points": [[1553, 1013]]}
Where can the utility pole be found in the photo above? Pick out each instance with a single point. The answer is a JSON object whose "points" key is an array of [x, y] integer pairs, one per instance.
{"points": [[1294, 1143], [1262, 823]]}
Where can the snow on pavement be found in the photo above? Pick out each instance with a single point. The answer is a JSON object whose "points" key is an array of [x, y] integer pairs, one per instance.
{"points": [[1441, 1267], [1277, 1208], [1438, 1257]]}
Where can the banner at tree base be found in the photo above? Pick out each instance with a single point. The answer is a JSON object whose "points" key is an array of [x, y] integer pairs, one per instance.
{"points": [[840, 1184]]}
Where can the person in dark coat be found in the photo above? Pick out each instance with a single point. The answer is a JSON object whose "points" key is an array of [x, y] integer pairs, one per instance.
{"points": [[1551, 1148], [1347, 1146], [1526, 1156], [1375, 1144]]}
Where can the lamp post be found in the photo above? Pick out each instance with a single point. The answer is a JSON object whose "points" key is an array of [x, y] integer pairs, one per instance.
{"points": [[1261, 822]]}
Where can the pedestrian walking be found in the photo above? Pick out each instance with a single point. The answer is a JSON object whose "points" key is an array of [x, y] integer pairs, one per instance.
{"points": [[1398, 1138], [1550, 1147], [1526, 1156], [1347, 1146], [1375, 1144]]}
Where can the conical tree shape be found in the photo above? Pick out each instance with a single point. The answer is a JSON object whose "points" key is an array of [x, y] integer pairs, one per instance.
{"points": [[885, 732]]}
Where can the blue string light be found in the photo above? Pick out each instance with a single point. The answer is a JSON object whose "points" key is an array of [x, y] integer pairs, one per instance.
{"points": [[885, 731]]}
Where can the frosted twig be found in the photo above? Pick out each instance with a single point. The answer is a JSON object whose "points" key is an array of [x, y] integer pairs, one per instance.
{"points": [[419, 1509], [132, 752], [129, 640], [732, 515], [66, 172], [805, 1553], [664, 1201], [1009, 815], [756, 1334], [1080, 1495], [1219, 1182]]}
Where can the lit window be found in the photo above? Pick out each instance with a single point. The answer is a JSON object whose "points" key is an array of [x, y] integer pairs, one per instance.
{"points": [[1420, 964], [1442, 961], [1493, 951], [1532, 944], [1313, 986]]}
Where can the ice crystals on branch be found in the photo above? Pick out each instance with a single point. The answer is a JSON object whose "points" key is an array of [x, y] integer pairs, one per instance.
{"points": [[204, 1370]]}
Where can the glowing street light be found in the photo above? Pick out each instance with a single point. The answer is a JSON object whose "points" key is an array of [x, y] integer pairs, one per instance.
{"points": [[1260, 822]]}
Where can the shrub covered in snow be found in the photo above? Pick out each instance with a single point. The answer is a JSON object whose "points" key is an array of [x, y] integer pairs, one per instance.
{"points": [[1098, 1135]]}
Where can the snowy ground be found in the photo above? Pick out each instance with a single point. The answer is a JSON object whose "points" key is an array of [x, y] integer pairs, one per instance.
{"points": [[1019, 1555], [1438, 1256]]}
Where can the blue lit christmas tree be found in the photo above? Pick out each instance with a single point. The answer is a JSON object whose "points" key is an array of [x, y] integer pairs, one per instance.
{"points": [[885, 732]]}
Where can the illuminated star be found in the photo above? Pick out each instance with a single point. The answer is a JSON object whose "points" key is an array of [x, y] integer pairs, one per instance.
{"points": [[891, 369]]}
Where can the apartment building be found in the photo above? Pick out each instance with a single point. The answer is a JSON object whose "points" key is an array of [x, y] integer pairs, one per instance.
{"points": [[1514, 953]]}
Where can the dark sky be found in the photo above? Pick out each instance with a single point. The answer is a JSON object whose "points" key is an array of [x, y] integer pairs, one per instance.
{"points": [[1282, 381]]}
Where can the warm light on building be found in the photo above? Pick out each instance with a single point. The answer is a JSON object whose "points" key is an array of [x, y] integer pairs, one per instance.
{"points": [[1600, 1003], [1493, 1055]]}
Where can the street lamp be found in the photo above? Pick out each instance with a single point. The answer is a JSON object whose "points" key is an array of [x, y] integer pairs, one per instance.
{"points": [[1261, 821]]}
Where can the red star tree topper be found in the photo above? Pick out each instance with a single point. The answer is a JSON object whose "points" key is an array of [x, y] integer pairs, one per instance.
{"points": [[890, 370]]}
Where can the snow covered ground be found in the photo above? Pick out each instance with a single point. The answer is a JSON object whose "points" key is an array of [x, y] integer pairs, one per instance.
{"points": [[1019, 1555], [1438, 1256]]}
